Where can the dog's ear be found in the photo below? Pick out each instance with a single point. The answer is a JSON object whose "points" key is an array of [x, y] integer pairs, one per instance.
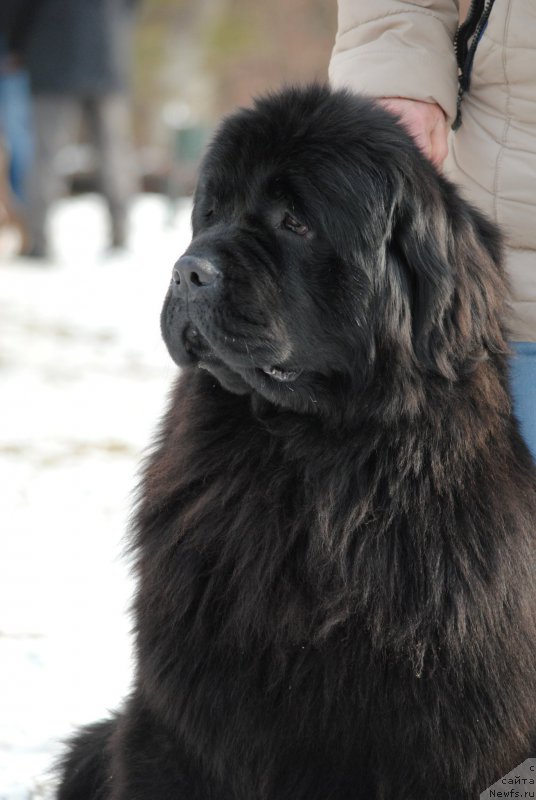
{"points": [[420, 242], [447, 257]]}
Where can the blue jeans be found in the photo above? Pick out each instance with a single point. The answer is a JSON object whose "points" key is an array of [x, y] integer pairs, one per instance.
{"points": [[16, 126], [523, 386]]}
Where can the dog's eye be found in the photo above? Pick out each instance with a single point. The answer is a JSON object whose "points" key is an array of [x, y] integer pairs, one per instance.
{"points": [[209, 213], [294, 225]]}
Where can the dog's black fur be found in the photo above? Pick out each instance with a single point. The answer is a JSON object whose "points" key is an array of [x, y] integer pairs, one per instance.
{"points": [[335, 538]]}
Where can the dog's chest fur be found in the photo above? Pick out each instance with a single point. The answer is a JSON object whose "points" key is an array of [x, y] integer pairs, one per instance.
{"points": [[315, 588]]}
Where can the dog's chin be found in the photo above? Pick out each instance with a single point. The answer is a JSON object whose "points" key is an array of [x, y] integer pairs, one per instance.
{"points": [[269, 382], [230, 380], [193, 350]]}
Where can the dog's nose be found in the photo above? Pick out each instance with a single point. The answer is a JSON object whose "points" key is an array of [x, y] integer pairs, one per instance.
{"points": [[193, 274]]}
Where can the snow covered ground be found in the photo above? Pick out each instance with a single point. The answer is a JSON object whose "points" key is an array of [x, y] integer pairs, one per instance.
{"points": [[83, 380]]}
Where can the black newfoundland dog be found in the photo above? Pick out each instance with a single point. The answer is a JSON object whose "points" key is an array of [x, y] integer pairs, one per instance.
{"points": [[335, 539]]}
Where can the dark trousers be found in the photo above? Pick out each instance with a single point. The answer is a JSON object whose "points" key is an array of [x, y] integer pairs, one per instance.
{"points": [[56, 120]]}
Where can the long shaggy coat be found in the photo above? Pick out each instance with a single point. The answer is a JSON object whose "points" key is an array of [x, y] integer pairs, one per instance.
{"points": [[335, 540]]}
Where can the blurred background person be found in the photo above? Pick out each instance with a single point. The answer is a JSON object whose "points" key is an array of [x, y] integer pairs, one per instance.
{"points": [[77, 54]]}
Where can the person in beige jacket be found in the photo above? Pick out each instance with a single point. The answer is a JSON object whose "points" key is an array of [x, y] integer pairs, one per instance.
{"points": [[404, 54]]}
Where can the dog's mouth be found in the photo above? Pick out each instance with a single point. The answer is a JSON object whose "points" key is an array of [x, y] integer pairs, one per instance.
{"points": [[200, 350], [282, 375], [195, 344]]}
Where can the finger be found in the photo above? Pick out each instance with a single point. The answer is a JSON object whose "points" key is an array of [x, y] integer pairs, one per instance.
{"points": [[422, 139], [439, 143], [415, 126]]}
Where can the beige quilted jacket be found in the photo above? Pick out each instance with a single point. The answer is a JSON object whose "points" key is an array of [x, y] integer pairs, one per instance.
{"points": [[390, 48]]}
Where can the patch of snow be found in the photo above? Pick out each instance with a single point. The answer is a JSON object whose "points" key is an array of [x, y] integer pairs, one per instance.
{"points": [[84, 379]]}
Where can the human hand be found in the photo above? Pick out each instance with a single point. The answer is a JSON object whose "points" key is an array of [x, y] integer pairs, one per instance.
{"points": [[426, 122]]}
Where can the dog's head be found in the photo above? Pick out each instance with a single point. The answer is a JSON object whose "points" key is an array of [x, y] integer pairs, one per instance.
{"points": [[328, 254]]}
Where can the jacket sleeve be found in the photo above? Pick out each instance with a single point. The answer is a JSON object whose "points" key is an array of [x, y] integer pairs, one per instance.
{"points": [[393, 48]]}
